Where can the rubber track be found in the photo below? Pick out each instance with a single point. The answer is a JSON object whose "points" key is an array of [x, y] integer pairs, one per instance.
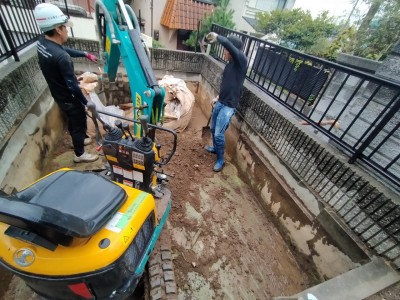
{"points": [[161, 275]]}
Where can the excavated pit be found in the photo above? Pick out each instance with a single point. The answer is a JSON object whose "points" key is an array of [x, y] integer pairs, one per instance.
{"points": [[235, 236]]}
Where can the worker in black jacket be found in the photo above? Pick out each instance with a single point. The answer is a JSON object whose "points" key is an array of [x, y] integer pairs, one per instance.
{"points": [[58, 70], [229, 94]]}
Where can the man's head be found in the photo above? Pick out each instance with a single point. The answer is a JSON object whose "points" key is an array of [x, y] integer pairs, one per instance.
{"points": [[52, 21], [237, 42]]}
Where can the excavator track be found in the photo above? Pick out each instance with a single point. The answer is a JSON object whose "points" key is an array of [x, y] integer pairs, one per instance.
{"points": [[160, 280]]}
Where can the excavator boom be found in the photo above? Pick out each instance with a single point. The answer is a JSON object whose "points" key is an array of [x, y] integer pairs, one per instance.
{"points": [[120, 38]]}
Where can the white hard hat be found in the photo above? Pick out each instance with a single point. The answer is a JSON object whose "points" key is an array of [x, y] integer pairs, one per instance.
{"points": [[48, 16]]}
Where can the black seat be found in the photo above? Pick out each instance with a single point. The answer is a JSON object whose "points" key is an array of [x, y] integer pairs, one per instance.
{"points": [[63, 205]]}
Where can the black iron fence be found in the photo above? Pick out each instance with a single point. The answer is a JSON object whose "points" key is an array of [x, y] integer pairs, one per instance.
{"points": [[358, 111], [18, 28]]}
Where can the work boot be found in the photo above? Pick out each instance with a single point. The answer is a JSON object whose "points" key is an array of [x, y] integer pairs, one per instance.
{"points": [[85, 157], [220, 160], [210, 149]]}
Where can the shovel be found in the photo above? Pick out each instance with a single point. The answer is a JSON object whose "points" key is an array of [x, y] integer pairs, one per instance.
{"points": [[205, 132]]}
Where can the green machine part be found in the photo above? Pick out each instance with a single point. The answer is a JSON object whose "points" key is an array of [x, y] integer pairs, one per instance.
{"points": [[120, 38]]}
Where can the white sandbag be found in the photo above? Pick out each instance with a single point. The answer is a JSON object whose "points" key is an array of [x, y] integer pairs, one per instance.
{"points": [[179, 102]]}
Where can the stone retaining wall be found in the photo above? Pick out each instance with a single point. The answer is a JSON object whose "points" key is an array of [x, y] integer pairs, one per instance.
{"points": [[30, 123], [365, 206]]}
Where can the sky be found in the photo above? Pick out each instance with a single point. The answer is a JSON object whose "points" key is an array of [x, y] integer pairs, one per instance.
{"points": [[337, 8]]}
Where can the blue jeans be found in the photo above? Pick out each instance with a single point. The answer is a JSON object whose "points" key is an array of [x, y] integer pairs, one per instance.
{"points": [[220, 120]]}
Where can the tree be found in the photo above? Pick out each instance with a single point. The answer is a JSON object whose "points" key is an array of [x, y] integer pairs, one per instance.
{"points": [[221, 16], [373, 9], [379, 30], [296, 28]]}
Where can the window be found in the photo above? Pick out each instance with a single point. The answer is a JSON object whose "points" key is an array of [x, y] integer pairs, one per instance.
{"points": [[264, 5]]}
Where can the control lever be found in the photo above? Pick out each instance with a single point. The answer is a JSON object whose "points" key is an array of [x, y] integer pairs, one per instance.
{"points": [[125, 126], [144, 121], [95, 116], [118, 123]]}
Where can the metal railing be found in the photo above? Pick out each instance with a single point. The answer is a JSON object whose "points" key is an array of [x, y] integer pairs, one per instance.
{"points": [[360, 112], [81, 8], [18, 28]]}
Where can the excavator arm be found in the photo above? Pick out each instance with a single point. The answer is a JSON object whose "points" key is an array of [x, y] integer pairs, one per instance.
{"points": [[119, 34]]}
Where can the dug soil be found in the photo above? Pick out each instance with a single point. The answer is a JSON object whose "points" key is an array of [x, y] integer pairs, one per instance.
{"points": [[223, 245]]}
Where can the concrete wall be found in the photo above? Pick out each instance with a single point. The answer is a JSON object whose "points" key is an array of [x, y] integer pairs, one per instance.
{"points": [[359, 63], [84, 28], [30, 120], [316, 174]]}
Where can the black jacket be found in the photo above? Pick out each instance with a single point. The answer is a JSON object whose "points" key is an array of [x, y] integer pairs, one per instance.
{"points": [[233, 75], [58, 70]]}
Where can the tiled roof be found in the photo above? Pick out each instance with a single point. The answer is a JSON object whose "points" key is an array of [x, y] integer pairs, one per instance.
{"points": [[184, 14]]}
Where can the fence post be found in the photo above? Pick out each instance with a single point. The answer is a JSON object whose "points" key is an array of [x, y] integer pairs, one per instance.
{"points": [[395, 108], [9, 40]]}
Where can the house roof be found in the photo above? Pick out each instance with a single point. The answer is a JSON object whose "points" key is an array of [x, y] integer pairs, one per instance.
{"points": [[251, 21], [184, 14]]}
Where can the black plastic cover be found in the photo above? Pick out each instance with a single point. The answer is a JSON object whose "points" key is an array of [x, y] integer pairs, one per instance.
{"points": [[64, 204]]}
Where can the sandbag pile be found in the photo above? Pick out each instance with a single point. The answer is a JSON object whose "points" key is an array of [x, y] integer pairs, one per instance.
{"points": [[179, 102]]}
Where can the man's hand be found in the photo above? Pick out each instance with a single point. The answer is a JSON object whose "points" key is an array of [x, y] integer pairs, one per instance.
{"points": [[211, 37], [91, 57], [214, 100]]}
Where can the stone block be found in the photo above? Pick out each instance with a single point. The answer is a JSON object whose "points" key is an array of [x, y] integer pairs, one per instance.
{"points": [[170, 288], [166, 255], [169, 276], [155, 281]]}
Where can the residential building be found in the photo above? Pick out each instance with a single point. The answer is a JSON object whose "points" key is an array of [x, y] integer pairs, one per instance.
{"points": [[171, 21], [245, 11]]}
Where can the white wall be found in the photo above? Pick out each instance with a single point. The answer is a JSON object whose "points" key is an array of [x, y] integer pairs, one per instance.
{"points": [[167, 37], [84, 28], [248, 8]]}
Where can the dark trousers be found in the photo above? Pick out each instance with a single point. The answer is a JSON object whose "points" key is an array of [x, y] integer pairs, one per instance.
{"points": [[76, 116]]}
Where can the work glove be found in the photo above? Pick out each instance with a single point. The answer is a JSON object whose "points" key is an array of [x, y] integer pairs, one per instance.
{"points": [[214, 100], [91, 57], [211, 37]]}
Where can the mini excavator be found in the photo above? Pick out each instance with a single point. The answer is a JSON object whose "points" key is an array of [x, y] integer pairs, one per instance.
{"points": [[87, 235]]}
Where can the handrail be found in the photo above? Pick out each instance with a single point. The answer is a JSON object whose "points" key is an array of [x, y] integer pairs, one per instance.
{"points": [[360, 109]]}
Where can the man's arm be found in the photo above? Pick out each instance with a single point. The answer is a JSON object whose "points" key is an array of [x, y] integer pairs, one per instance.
{"points": [[233, 51], [77, 53], [67, 71], [74, 53]]}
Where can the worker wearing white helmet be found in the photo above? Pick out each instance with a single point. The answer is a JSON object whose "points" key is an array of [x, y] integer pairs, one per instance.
{"points": [[58, 70], [48, 16]]}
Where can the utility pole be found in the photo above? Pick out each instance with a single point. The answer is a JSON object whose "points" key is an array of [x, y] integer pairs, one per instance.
{"points": [[151, 18]]}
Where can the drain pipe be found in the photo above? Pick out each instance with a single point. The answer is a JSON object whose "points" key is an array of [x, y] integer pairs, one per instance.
{"points": [[133, 17]]}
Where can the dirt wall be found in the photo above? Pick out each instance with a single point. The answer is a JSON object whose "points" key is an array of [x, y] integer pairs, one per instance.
{"points": [[24, 154]]}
